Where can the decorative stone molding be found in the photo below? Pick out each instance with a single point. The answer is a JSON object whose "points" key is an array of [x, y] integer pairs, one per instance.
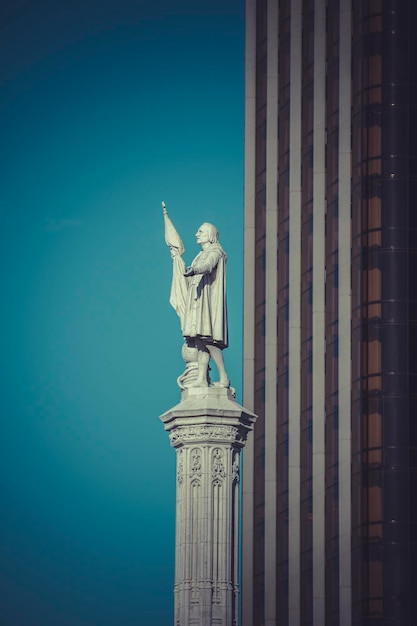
{"points": [[227, 434]]}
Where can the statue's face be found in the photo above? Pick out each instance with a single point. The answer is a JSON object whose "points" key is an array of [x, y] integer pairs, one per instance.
{"points": [[203, 235]]}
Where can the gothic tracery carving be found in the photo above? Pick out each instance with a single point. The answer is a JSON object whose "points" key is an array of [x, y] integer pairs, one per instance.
{"points": [[180, 468], [195, 462], [235, 470], [218, 465]]}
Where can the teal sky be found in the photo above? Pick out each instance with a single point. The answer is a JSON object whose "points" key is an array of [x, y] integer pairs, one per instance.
{"points": [[106, 108]]}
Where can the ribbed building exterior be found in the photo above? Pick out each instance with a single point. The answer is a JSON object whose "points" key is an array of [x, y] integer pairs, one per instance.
{"points": [[330, 325]]}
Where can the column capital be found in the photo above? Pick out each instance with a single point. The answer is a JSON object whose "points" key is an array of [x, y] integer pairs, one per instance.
{"points": [[208, 415]]}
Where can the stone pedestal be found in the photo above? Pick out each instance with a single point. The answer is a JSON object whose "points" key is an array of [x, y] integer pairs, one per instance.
{"points": [[208, 429]]}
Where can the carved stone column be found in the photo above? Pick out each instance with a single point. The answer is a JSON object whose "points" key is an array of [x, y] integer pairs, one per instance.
{"points": [[208, 429]]}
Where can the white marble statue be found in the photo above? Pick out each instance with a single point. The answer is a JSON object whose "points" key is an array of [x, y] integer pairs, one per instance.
{"points": [[198, 295]]}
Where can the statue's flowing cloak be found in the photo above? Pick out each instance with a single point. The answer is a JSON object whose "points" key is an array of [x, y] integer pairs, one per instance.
{"points": [[205, 313]]}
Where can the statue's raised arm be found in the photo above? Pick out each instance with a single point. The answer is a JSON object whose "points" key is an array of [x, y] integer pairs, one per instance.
{"points": [[198, 294], [172, 238]]}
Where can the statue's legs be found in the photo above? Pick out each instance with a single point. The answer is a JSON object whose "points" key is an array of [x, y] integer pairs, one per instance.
{"points": [[203, 363], [205, 351], [217, 356]]}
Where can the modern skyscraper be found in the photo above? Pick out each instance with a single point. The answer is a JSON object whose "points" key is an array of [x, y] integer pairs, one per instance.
{"points": [[330, 477]]}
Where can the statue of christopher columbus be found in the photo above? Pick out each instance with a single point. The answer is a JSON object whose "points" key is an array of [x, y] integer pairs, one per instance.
{"points": [[198, 295]]}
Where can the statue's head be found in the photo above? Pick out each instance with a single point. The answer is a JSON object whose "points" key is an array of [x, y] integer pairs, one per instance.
{"points": [[207, 233]]}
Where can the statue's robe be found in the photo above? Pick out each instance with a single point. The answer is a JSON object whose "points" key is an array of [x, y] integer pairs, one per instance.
{"points": [[205, 314]]}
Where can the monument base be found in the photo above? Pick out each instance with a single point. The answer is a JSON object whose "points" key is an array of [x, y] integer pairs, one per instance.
{"points": [[208, 429]]}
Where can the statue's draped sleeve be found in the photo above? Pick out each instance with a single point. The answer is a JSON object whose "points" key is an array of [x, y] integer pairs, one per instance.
{"points": [[178, 294]]}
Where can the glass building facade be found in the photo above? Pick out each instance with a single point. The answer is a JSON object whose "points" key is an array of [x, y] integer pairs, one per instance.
{"points": [[330, 325]]}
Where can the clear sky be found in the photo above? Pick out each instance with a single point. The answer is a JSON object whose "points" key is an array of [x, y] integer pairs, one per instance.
{"points": [[107, 107]]}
